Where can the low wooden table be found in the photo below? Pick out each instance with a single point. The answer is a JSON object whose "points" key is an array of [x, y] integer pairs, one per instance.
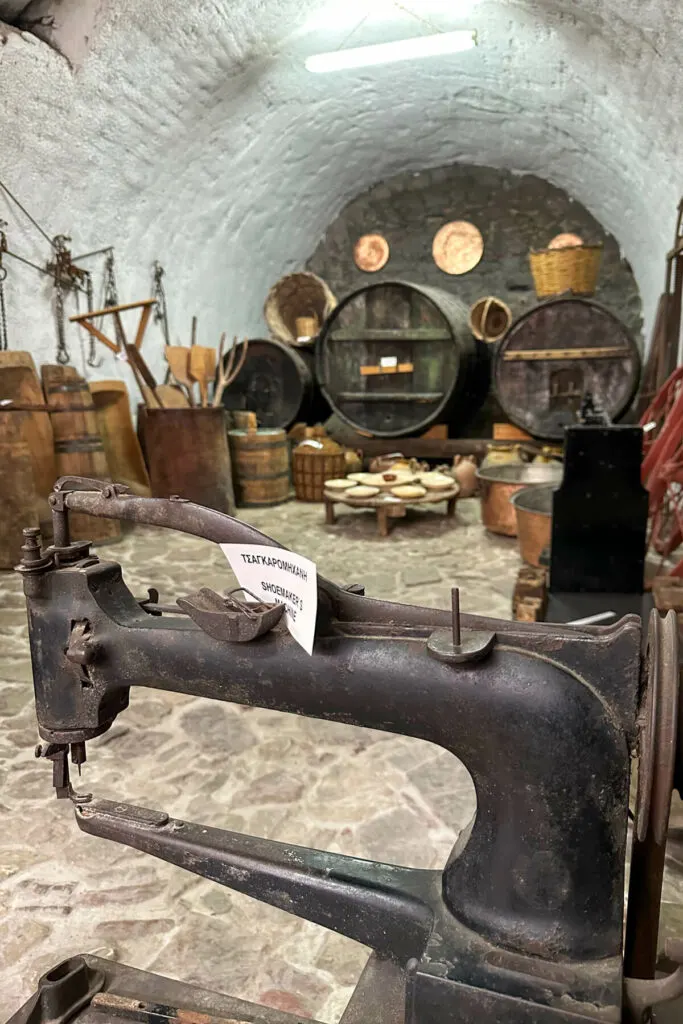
{"points": [[388, 506]]}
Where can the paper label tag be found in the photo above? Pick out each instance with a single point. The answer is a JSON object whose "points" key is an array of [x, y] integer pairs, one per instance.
{"points": [[388, 361], [279, 577]]}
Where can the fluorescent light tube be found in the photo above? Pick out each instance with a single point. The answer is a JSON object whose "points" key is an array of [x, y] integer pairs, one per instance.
{"points": [[386, 53]]}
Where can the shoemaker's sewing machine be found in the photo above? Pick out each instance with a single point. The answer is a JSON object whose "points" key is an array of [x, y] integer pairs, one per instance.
{"points": [[524, 923]]}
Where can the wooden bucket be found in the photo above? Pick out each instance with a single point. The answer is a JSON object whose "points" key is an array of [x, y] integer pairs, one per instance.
{"points": [[78, 445], [260, 460], [18, 508], [187, 454], [19, 384], [121, 446], [314, 461]]}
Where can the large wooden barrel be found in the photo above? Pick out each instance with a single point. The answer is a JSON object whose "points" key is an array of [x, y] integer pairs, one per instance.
{"points": [[18, 507], [278, 383], [556, 353], [22, 392], [78, 445], [260, 461], [187, 454], [395, 357]]}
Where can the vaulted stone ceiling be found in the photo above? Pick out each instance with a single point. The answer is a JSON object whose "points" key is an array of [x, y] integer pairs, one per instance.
{"points": [[191, 133]]}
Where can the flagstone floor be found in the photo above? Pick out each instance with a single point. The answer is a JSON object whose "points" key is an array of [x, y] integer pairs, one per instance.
{"points": [[297, 780]]}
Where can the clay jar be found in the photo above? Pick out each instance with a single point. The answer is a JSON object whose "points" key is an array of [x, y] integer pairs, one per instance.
{"points": [[465, 472]]}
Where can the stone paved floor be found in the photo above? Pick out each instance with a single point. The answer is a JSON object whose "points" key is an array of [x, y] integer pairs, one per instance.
{"points": [[292, 779]]}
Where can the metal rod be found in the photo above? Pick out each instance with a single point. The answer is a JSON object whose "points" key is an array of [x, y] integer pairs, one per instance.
{"points": [[27, 214], [590, 620], [455, 613], [22, 259], [95, 252]]}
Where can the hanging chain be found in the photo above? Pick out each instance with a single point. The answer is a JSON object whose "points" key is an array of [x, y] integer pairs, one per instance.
{"points": [[63, 355], [160, 310], [67, 276], [111, 296], [92, 359]]}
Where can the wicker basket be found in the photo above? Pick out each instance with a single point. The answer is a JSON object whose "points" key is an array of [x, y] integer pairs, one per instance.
{"points": [[572, 269], [313, 462], [295, 296]]}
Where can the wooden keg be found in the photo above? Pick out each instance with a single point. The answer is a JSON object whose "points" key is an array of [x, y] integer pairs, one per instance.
{"points": [[121, 445], [395, 357], [555, 354], [18, 508], [277, 382], [22, 393], [78, 445], [260, 460], [187, 454]]}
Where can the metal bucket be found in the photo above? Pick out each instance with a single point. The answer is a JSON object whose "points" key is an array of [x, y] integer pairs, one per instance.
{"points": [[534, 508], [497, 485]]}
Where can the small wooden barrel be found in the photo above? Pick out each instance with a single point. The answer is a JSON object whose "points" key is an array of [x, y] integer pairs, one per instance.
{"points": [[260, 460], [187, 454], [78, 445], [555, 354], [314, 461], [17, 487], [277, 383]]}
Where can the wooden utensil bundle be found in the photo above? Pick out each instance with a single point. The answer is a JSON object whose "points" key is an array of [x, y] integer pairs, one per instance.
{"points": [[203, 366]]}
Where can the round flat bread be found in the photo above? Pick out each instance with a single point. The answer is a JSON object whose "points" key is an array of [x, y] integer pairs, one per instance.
{"points": [[342, 484], [409, 491], [436, 481], [362, 491], [356, 477]]}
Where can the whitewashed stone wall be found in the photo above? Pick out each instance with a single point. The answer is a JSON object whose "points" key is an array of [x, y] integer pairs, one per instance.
{"points": [[192, 133]]}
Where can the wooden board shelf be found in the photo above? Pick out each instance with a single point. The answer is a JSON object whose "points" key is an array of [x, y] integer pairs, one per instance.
{"points": [[390, 334]]}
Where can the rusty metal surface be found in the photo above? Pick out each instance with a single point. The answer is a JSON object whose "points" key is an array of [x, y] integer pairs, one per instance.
{"points": [[524, 923], [658, 741]]}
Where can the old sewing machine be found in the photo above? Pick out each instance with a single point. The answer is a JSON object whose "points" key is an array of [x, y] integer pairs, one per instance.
{"points": [[524, 923]]}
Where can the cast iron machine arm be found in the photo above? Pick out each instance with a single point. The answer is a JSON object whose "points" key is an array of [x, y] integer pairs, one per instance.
{"points": [[524, 922]]}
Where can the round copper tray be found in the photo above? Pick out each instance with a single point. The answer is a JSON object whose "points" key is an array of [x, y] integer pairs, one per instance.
{"points": [[566, 240], [371, 252], [457, 247]]}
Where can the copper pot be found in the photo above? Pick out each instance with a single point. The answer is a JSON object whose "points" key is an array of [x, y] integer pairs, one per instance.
{"points": [[534, 508], [498, 484]]}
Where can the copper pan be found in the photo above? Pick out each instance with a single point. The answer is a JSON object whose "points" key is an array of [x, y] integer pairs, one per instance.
{"points": [[498, 484], [534, 508]]}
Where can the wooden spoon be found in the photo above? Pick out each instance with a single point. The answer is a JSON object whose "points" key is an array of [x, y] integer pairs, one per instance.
{"points": [[203, 369], [178, 358]]}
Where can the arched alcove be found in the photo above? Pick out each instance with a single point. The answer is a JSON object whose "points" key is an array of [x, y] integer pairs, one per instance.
{"points": [[196, 136]]}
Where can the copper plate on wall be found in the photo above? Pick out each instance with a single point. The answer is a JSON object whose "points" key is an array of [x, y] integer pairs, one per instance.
{"points": [[457, 247], [565, 241], [371, 252]]}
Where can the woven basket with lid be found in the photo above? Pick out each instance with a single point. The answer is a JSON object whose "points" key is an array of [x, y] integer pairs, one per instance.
{"points": [[314, 461]]}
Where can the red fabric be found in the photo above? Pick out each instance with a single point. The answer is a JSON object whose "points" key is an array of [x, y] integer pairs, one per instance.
{"points": [[662, 470]]}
